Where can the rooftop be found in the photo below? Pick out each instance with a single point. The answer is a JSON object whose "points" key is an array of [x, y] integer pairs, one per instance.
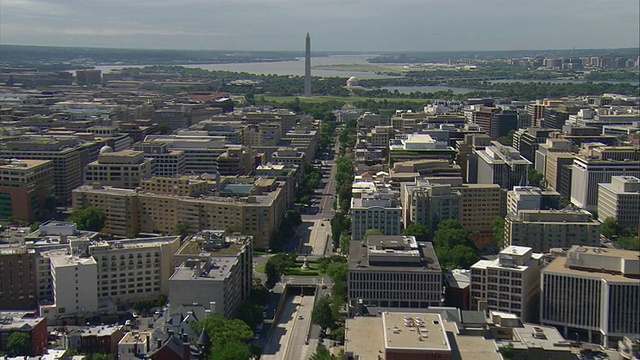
{"points": [[397, 253], [414, 331], [18, 320]]}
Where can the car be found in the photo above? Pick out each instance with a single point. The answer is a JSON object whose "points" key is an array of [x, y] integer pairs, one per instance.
{"points": [[300, 317], [321, 224], [256, 336], [264, 314]]}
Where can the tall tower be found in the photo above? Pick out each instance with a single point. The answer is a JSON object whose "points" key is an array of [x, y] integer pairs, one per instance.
{"points": [[307, 67]]}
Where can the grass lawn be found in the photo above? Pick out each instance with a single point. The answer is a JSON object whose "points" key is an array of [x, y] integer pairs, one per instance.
{"points": [[296, 270], [260, 269]]}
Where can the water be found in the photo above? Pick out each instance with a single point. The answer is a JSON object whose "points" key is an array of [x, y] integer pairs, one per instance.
{"points": [[426, 89], [562, 81], [295, 67]]}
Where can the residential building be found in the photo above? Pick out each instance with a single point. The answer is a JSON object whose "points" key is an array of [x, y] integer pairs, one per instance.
{"points": [[290, 157], [237, 160], [509, 283], [123, 169], [502, 165], [429, 203], [394, 271], [480, 204], [101, 339], [24, 188], [75, 287], [18, 283], [620, 199], [214, 268], [543, 230], [201, 151], [253, 204], [134, 269], [375, 210], [27, 323], [593, 293]]}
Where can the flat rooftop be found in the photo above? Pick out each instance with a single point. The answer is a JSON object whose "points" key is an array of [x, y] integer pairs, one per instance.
{"points": [[414, 331], [558, 266]]}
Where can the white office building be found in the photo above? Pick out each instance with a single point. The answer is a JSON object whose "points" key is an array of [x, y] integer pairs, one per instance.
{"points": [[620, 199], [593, 294], [510, 283]]}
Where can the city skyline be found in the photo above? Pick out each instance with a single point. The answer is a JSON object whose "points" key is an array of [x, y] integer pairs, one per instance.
{"points": [[354, 25]]}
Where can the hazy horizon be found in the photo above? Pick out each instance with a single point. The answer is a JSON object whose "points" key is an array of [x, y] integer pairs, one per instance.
{"points": [[347, 25]]}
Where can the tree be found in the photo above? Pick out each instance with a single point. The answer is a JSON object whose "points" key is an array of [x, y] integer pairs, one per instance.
{"points": [[18, 344], [322, 353], [506, 351], [373, 232], [345, 242], [91, 218], [628, 243], [322, 315], [222, 331], [231, 351], [163, 129], [497, 227], [35, 226], [609, 227], [420, 231], [277, 266], [535, 178], [182, 229]]}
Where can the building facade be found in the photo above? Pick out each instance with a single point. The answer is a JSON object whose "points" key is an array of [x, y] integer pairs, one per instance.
{"points": [[620, 199], [24, 188]]}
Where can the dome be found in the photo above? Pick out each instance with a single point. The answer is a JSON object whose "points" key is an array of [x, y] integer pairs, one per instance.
{"points": [[106, 149], [352, 81]]}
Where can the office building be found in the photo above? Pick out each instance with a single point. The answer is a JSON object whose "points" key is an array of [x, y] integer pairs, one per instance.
{"points": [[496, 122], [394, 271], [551, 145], [379, 210], [399, 336], [123, 169], [429, 203], [593, 293], [201, 151], [558, 172], [18, 283], [502, 165], [457, 293], [419, 146], [526, 141], [167, 162], [531, 198], [620, 199], [237, 160], [587, 173], [543, 230], [26, 323], [216, 268], [25, 188], [68, 154], [465, 158], [480, 204], [510, 283]]}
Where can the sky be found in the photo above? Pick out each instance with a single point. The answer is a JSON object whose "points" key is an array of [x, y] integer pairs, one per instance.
{"points": [[335, 25]]}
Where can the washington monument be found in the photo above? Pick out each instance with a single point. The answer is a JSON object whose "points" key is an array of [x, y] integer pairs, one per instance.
{"points": [[307, 67]]}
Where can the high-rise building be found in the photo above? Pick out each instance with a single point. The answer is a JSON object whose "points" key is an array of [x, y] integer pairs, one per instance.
{"points": [[496, 122], [307, 66], [18, 283], [123, 169], [526, 141], [620, 199], [543, 230], [429, 203], [509, 283], [24, 187], [394, 271], [593, 293], [379, 210], [502, 165]]}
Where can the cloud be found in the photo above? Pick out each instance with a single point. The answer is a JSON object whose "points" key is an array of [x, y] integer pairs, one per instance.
{"points": [[335, 24]]}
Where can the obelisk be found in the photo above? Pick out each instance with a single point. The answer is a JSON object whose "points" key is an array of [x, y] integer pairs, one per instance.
{"points": [[307, 67]]}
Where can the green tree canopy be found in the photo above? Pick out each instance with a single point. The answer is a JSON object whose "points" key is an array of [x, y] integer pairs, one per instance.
{"points": [[609, 227], [276, 267], [223, 331], [322, 315], [535, 178], [322, 353], [497, 227], [19, 343], [91, 218], [231, 351], [373, 232], [420, 231]]}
